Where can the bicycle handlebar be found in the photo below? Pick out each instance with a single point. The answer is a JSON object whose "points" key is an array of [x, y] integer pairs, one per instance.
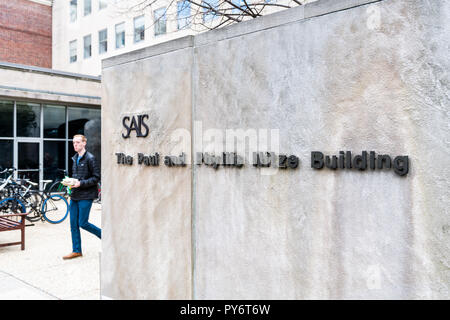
{"points": [[8, 170]]}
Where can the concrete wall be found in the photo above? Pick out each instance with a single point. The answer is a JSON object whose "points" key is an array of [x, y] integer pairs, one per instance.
{"points": [[41, 84], [329, 76]]}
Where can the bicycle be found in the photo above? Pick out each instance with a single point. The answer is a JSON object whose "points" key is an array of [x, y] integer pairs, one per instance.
{"points": [[52, 208], [5, 183], [57, 187], [8, 204]]}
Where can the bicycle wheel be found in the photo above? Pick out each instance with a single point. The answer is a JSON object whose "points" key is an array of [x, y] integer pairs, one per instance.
{"points": [[58, 188], [33, 200], [55, 208], [12, 206]]}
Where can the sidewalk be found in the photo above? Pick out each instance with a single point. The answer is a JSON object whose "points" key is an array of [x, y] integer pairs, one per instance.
{"points": [[39, 272], [12, 288]]}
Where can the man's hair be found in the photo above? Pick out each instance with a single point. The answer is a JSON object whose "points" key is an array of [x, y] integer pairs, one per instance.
{"points": [[83, 138]]}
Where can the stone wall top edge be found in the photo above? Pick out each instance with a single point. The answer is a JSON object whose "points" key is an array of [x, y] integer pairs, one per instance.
{"points": [[46, 71], [150, 51], [307, 11]]}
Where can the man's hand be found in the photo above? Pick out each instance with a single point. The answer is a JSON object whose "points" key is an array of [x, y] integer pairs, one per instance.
{"points": [[77, 184]]}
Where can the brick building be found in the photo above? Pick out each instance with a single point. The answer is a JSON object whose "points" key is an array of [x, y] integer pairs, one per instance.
{"points": [[26, 32], [41, 109]]}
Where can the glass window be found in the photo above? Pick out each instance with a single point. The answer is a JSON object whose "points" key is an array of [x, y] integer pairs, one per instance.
{"points": [[160, 21], [209, 14], [54, 122], [28, 155], [120, 35], [87, 46], [73, 51], [87, 7], [73, 10], [28, 119], [28, 160], [6, 119], [81, 119], [54, 159], [85, 121], [139, 29], [184, 13], [102, 4], [103, 41], [70, 154], [6, 154]]}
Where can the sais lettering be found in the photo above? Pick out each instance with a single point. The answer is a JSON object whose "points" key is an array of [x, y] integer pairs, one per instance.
{"points": [[136, 123]]}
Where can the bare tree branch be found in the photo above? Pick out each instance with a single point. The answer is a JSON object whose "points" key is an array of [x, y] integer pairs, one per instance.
{"points": [[228, 11]]}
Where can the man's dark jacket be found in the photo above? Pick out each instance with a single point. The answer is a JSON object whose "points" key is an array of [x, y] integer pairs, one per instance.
{"points": [[88, 172]]}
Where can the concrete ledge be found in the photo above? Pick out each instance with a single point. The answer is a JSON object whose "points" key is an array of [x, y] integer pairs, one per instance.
{"points": [[309, 10], [47, 96], [323, 7], [25, 68], [250, 26], [161, 48]]}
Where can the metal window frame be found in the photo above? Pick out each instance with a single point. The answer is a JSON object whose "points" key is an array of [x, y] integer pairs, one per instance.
{"points": [[84, 8], [76, 51], [105, 5], [100, 42], [141, 27], [159, 20], [71, 10], [16, 139], [121, 33], [88, 36]]}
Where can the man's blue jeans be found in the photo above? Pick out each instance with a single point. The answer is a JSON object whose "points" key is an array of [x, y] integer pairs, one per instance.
{"points": [[79, 216]]}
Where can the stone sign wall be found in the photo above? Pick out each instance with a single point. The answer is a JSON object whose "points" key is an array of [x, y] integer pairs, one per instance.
{"points": [[329, 76]]}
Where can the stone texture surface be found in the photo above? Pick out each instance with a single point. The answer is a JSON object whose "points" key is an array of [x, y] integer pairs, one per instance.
{"points": [[329, 84], [147, 222], [371, 77]]}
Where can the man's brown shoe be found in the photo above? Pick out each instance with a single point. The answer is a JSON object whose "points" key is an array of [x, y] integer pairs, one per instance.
{"points": [[73, 255]]}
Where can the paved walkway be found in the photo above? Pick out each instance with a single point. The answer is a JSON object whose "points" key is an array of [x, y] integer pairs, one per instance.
{"points": [[39, 272]]}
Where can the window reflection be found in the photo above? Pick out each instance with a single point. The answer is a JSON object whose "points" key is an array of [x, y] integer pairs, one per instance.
{"points": [[28, 161], [87, 122], [6, 154], [69, 156], [28, 119], [54, 121], [79, 118], [6, 118], [54, 159]]}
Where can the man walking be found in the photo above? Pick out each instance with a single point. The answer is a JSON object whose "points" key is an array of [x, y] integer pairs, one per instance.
{"points": [[85, 169]]}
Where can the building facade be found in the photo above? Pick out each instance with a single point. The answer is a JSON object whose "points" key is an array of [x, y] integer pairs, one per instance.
{"points": [[26, 32], [88, 31], [40, 112]]}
